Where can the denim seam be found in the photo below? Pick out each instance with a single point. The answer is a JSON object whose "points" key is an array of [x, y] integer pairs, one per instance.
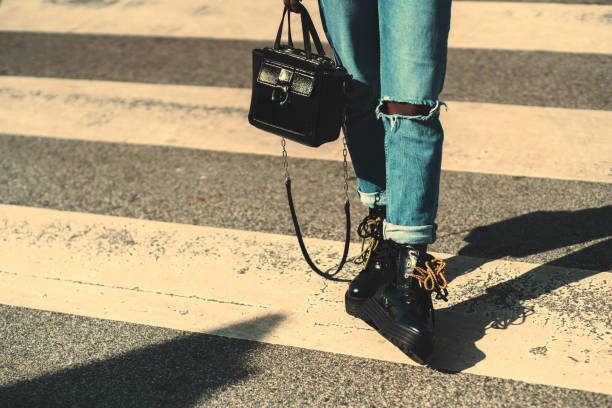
{"points": [[326, 31], [421, 234], [387, 191], [378, 197]]}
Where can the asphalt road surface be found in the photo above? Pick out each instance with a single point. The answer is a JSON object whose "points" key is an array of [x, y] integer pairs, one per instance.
{"points": [[74, 350]]}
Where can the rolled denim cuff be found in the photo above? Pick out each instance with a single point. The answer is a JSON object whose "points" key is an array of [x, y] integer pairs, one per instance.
{"points": [[372, 199], [425, 234]]}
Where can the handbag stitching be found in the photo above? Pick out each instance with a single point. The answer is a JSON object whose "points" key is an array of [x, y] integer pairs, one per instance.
{"points": [[301, 55]]}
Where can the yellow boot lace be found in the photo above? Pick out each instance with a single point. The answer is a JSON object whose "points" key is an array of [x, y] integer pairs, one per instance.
{"points": [[369, 228], [432, 277]]}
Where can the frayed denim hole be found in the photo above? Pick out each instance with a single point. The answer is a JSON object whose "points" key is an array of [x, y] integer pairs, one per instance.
{"points": [[396, 119], [385, 116], [414, 101], [379, 113]]}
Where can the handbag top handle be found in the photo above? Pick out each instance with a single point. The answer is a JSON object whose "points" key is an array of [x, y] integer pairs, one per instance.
{"points": [[308, 30]]}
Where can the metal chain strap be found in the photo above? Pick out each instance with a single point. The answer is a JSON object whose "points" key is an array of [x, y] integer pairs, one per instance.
{"points": [[285, 162], [344, 163]]}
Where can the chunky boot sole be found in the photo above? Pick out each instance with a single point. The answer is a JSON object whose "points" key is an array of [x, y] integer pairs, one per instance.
{"points": [[416, 346], [353, 304]]}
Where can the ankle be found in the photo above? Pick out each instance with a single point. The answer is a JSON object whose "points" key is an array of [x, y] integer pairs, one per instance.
{"points": [[378, 211], [422, 248]]}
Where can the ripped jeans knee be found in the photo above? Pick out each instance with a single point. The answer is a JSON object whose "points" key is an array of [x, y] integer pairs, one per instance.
{"points": [[413, 158], [434, 111]]}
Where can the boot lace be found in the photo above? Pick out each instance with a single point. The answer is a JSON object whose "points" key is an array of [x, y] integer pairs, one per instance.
{"points": [[369, 228], [432, 277]]}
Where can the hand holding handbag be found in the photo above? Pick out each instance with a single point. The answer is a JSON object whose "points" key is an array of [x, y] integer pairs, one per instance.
{"points": [[300, 95]]}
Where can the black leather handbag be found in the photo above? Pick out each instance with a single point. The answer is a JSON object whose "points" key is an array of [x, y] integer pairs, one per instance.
{"points": [[300, 95]]}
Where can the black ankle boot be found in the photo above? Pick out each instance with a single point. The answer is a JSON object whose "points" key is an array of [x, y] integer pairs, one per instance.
{"points": [[402, 310], [372, 275]]}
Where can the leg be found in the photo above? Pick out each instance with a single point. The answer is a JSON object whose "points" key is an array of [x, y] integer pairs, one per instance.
{"points": [[413, 37], [414, 155], [352, 30], [351, 27], [406, 109]]}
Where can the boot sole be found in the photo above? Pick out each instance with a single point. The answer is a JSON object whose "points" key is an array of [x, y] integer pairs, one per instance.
{"points": [[353, 305], [417, 346]]}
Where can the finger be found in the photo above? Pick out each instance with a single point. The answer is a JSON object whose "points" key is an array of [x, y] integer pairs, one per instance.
{"points": [[295, 7]]}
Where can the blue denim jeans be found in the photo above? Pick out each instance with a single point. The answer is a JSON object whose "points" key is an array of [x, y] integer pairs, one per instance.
{"points": [[396, 52]]}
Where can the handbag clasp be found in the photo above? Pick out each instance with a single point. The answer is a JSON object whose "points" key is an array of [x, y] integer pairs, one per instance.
{"points": [[281, 90], [281, 94], [285, 76]]}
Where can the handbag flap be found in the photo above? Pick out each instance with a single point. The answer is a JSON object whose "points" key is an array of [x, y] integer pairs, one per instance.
{"points": [[273, 74]]}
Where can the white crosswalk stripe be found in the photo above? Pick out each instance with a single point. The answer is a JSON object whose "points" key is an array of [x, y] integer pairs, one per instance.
{"points": [[480, 137], [476, 24], [204, 279]]}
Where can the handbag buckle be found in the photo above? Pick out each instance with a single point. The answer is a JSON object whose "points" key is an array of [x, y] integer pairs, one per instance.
{"points": [[281, 90], [285, 76], [283, 98]]}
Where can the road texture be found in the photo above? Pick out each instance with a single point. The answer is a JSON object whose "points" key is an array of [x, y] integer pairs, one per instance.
{"points": [[52, 359]]}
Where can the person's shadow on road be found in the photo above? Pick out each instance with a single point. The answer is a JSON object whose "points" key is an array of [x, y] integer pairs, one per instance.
{"points": [[182, 372], [460, 326]]}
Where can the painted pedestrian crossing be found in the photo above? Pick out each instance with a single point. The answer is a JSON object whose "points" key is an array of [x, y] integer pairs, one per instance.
{"points": [[532, 322], [202, 278], [508, 25], [479, 137]]}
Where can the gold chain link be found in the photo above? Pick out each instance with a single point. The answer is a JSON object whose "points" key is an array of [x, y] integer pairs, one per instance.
{"points": [[345, 164], [285, 161], [344, 156]]}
